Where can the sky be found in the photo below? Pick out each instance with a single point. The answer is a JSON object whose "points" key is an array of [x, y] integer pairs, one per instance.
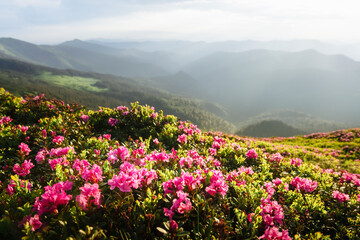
{"points": [[55, 21]]}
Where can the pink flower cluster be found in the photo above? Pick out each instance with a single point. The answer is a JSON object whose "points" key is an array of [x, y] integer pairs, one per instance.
{"points": [[304, 184], [24, 149], [112, 121], [182, 138], [84, 117], [218, 142], [58, 161], [341, 197], [158, 157], [41, 155], [90, 194], [233, 176], [80, 165], [217, 184], [273, 233], [24, 129], [24, 169], [120, 153], [58, 139], [130, 177], [93, 175], [185, 182], [53, 197], [296, 161], [350, 177], [5, 120], [59, 152], [34, 222], [272, 212], [188, 130], [251, 154], [277, 157], [181, 204]]}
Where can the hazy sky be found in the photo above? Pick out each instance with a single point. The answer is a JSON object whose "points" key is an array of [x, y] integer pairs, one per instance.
{"points": [[54, 21]]}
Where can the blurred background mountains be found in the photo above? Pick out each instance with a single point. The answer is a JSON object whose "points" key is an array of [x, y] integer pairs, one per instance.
{"points": [[263, 89]]}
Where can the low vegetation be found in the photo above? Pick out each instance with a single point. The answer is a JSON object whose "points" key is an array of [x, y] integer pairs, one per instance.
{"points": [[133, 173]]}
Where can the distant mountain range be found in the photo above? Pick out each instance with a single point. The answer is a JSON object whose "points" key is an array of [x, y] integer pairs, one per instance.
{"points": [[236, 81], [94, 90]]}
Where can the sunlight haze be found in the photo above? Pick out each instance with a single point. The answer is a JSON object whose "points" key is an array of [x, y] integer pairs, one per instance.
{"points": [[54, 21]]}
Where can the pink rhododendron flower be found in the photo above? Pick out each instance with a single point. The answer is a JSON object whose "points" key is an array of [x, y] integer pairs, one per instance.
{"points": [[34, 222], [58, 139], [112, 121], [304, 184], [58, 161], [122, 108], [84, 117], [90, 194], [107, 136], [296, 162], [53, 197], [24, 169], [269, 189], [5, 120], [212, 151], [217, 184], [277, 157], [273, 233], [182, 204], [341, 197], [59, 152], [24, 129], [158, 157], [80, 165], [92, 175], [218, 142], [44, 134], [277, 181], [272, 212], [119, 153], [156, 141], [173, 226], [182, 138], [41, 155], [251, 154], [24, 149], [130, 177]]}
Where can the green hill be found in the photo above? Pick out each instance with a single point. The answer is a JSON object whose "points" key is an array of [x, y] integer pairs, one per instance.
{"points": [[269, 128]]}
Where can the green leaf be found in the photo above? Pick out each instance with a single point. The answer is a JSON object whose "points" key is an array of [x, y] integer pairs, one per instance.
{"points": [[163, 231]]}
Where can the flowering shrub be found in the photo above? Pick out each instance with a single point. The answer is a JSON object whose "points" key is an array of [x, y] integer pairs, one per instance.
{"points": [[132, 173]]}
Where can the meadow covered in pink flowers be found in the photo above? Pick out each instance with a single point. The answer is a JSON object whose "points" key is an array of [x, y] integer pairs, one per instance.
{"points": [[132, 173]]}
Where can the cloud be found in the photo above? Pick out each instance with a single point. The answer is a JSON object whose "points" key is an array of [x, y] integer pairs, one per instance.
{"points": [[34, 3], [210, 20]]}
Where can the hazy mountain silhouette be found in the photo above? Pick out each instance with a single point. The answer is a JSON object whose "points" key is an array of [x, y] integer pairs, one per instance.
{"points": [[269, 128]]}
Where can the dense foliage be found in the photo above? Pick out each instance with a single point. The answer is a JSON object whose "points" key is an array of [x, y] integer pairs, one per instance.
{"points": [[132, 173]]}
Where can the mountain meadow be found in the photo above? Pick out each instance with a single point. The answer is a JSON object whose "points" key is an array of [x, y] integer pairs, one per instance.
{"points": [[67, 172], [179, 140]]}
